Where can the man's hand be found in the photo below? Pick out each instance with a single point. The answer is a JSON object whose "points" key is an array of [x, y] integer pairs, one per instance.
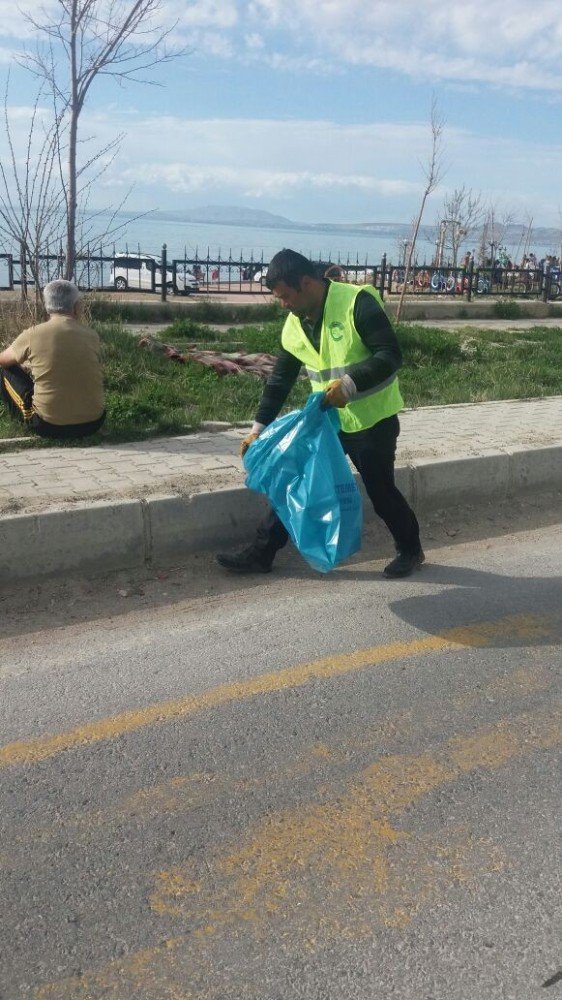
{"points": [[7, 358], [246, 442], [336, 394]]}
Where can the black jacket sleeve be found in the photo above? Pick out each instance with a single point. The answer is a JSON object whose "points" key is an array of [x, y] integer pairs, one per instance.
{"points": [[375, 329], [278, 386]]}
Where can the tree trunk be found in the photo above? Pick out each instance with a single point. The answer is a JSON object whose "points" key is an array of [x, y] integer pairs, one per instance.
{"points": [[73, 136], [410, 255], [433, 175]]}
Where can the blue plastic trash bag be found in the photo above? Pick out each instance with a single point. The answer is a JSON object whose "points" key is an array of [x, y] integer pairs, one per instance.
{"points": [[300, 465]]}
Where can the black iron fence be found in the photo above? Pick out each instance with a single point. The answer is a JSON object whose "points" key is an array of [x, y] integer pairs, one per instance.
{"points": [[539, 283], [100, 270]]}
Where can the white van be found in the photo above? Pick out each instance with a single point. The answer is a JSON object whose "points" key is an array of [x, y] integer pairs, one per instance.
{"points": [[131, 272]]}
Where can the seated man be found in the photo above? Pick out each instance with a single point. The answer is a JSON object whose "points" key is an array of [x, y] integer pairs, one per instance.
{"points": [[63, 395]]}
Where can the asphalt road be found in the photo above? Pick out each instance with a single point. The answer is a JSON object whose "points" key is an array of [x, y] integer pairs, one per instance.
{"points": [[331, 788]]}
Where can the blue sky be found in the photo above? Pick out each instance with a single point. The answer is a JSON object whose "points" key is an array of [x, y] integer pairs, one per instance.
{"points": [[318, 110]]}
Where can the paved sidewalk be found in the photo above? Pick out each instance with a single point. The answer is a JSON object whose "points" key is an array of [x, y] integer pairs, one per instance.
{"points": [[55, 477]]}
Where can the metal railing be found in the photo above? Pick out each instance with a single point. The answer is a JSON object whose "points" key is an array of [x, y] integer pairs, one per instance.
{"points": [[108, 270], [477, 281]]}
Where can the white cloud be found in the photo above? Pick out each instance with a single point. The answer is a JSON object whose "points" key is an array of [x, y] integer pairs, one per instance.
{"points": [[270, 13], [203, 13], [514, 44], [13, 24], [202, 25], [212, 43], [488, 41], [7, 55], [254, 41], [322, 163], [308, 169], [182, 178], [360, 155], [20, 115]]}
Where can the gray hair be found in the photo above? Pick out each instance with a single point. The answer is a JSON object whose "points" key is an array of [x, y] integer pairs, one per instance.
{"points": [[60, 296]]}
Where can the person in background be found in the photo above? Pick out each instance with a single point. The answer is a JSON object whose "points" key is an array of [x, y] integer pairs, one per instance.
{"points": [[344, 337], [61, 395], [334, 272]]}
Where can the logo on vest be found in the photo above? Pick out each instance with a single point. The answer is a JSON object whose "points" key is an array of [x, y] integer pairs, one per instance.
{"points": [[336, 330]]}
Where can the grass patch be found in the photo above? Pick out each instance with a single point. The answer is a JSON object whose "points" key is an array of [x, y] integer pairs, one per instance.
{"points": [[149, 395], [253, 339], [507, 309], [443, 367], [201, 311]]}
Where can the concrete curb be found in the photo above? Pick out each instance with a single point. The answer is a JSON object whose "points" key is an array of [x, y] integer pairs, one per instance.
{"points": [[85, 538], [101, 536], [182, 525]]}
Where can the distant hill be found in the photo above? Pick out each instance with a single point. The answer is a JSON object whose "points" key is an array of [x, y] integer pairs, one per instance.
{"points": [[233, 215], [396, 229], [225, 215]]}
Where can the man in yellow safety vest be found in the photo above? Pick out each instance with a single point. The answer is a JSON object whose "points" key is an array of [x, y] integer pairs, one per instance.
{"points": [[343, 336]]}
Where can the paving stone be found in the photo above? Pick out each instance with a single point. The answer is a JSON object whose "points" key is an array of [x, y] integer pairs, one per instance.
{"points": [[437, 432]]}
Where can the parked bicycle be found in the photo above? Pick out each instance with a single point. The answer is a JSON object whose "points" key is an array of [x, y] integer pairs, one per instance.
{"points": [[441, 282], [523, 281], [422, 279]]}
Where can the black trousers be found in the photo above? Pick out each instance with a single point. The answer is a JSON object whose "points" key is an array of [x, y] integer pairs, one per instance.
{"points": [[373, 454], [16, 390]]}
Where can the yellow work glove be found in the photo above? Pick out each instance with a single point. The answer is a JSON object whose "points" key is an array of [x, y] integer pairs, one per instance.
{"points": [[336, 394], [246, 442]]}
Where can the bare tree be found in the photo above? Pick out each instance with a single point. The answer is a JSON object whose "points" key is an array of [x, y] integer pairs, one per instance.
{"points": [[80, 41], [528, 237], [462, 215], [31, 200], [496, 221], [33, 197], [433, 173]]}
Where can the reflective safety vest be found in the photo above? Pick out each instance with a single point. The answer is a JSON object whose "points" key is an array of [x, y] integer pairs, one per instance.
{"points": [[340, 348]]}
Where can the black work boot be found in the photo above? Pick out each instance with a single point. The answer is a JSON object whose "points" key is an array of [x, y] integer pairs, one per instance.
{"points": [[404, 564], [249, 560]]}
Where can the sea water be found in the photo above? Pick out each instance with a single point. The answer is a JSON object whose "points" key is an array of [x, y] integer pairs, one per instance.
{"points": [[248, 242], [214, 241], [261, 243]]}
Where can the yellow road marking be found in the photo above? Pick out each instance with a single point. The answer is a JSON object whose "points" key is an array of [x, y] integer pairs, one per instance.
{"points": [[330, 870], [185, 793], [349, 839], [524, 627], [138, 968]]}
